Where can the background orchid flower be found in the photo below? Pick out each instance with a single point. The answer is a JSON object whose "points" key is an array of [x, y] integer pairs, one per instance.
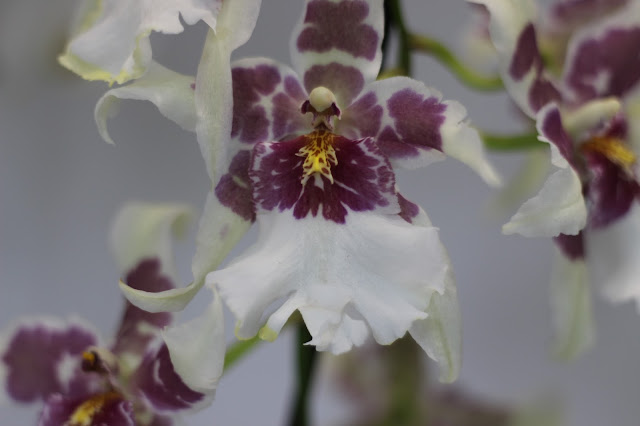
{"points": [[131, 379], [110, 40], [586, 114]]}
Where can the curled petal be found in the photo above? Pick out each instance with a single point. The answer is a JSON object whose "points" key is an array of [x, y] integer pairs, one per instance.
{"points": [[111, 41], [612, 253], [42, 356], [347, 33], [571, 307], [559, 208], [171, 92], [143, 231]]}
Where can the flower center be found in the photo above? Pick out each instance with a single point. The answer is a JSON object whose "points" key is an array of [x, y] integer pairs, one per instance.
{"points": [[85, 412], [323, 105], [319, 155], [615, 150]]}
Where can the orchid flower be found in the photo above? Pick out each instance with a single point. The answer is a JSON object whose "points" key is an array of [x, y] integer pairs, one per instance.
{"points": [[588, 115], [131, 380]]}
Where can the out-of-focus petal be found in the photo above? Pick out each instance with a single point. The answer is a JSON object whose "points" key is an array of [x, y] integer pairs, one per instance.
{"points": [[571, 307], [520, 63], [613, 257], [558, 208], [145, 231], [111, 40], [100, 409], [346, 34], [42, 356], [137, 327], [171, 92], [603, 59], [413, 126]]}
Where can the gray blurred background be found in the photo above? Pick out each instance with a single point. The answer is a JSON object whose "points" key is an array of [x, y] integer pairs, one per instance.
{"points": [[60, 186]]}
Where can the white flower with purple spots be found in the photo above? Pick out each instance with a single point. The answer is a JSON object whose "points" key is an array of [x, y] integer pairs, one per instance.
{"points": [[132, 380], [310, 159], [587, 115]]}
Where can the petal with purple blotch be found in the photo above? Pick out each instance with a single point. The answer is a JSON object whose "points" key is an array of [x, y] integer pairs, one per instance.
{"points": [[42, 356], [161, 386], [267, 97], [415, 126], [138, 327], [568, 15], [96, 410], [520, 62], [604, 59], [346, 32], [361, 179]]}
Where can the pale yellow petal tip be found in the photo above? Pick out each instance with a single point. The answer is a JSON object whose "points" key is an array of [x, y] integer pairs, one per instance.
{"points": [[267, 334], [92, 73]]}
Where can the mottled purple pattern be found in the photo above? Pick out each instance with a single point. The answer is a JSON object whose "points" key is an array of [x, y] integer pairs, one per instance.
{"points": [[161, 385], [338, 26], [58, 410], [417, 122], [250, 122], [234, 188], [408, 210], [610, 192], [526, 58], [553, 130], [287, 119], [576, 12], [145, 276], [362, 118], [616, 55], [344, 81], [32, 358], [572, 246], [363, 180]]}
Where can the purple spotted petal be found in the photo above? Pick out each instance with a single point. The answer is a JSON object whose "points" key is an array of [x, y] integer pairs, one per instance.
{"points": [[551, 128], [159, 383], [408, 210], [347, 32], [42, 357], [133, 334], [570, 14], [105, 409], [267, 97], [234, 189], [346, 82], [572, 246], [363, 180], [611, 191], [604, 62]]}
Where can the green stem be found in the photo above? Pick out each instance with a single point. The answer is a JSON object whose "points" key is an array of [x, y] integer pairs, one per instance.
{"points": [[238, 350], [404, 49], [306, 362], [443, 55], [512, 142]]}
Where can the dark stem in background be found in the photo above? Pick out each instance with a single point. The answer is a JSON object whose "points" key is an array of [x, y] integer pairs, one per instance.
{"points": [[396, 21], [307, 356]]}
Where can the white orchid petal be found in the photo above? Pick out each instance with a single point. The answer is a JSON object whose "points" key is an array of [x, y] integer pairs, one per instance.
{"points": [[559, 208], [571, 307], [374, 268], [613, 257], [197, 348], [172, 93], [111, 42], [143, 230]]}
